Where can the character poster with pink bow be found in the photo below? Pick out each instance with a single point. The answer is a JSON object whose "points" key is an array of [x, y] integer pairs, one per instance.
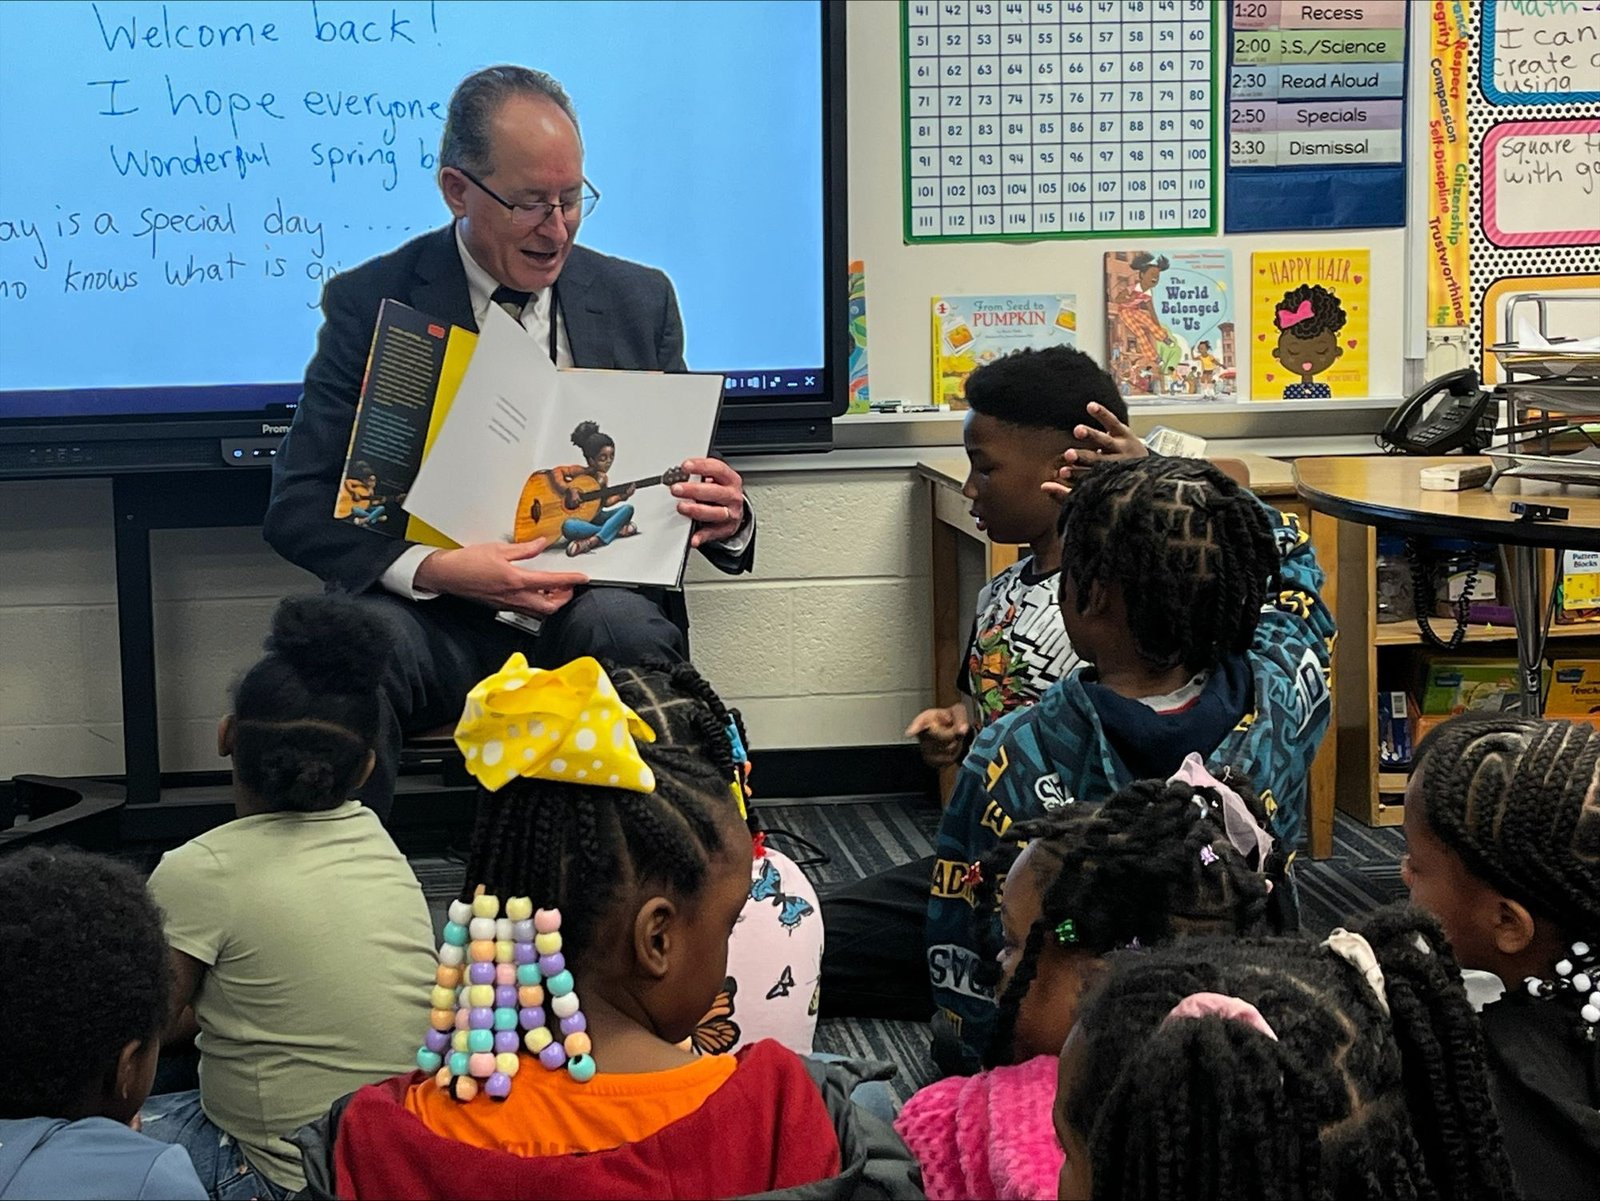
{"points": [[1308, 327]]}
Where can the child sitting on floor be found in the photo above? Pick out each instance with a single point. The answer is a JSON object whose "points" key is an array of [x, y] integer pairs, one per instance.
{"points": [[79, 1063], [1157, 860], [299, 933], [1258, 1069], [609, 862], [1502, 822], [1195, 608], [1028, 410], [1034, 414]]}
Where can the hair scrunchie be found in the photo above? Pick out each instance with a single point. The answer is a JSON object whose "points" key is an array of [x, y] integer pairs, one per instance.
{"points": [[1355, 950], [1218, 1005]]}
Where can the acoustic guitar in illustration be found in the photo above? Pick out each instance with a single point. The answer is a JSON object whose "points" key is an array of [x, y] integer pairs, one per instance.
{"points": [[559, 494]]}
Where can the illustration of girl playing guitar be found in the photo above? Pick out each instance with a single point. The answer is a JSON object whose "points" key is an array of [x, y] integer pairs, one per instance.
{"points": [[579, 502]]}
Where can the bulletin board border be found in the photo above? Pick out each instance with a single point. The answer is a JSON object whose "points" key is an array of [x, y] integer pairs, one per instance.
{"points": [[912, 239], [1486, 73]]}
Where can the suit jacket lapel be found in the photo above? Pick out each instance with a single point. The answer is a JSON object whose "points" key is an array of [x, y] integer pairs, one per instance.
{"points": [[584, 311], [441, 289]]}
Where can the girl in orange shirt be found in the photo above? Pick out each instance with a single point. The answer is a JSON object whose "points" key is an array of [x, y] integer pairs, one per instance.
{"points": [[610, 861]]}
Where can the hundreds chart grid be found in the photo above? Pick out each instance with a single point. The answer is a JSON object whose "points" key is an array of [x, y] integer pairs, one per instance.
{"points": [[1034, 119]]}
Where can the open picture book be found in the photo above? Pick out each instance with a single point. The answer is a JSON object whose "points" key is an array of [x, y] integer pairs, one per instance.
{"points": [[505, 447]]}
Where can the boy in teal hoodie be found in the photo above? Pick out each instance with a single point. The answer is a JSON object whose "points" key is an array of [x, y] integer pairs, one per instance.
{"points": [[1196, 610]]}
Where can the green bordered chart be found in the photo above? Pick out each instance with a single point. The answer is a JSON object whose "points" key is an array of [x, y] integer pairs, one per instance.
{"points": [[1031, 119]]}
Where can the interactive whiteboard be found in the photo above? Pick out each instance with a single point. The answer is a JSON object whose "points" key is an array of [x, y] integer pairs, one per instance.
{"points": [[181, 178]]}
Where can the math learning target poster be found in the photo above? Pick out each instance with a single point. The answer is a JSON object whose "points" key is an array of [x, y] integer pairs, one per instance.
{"points": [[1170, 323], [1309, 320], [1533, 119], [1028, 119]]}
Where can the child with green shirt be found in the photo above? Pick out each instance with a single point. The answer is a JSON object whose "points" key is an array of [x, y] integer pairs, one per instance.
{"points": [[298, 935]]}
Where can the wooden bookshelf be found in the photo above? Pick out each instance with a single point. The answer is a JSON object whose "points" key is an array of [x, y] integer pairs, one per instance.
{"points": [[1405, 633], [1363, 791]]}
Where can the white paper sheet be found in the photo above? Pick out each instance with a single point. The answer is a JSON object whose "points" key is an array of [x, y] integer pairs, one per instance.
{"points": [[514, 419]]}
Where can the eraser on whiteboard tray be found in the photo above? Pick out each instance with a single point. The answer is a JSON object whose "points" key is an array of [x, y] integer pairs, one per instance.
{"points": [[1452, 477]]}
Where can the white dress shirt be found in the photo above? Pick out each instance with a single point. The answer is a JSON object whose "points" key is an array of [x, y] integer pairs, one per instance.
{"points": [[401, 575]]}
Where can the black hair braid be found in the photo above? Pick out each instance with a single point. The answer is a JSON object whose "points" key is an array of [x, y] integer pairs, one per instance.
{"points": [[1327, 312], [1212, 1118], [1147, 865], [1191, 553], [1346, 1102], [1049, 389], [1513, 797], [1441, 1048], [61, 906], [573, 846], [307, 715]]}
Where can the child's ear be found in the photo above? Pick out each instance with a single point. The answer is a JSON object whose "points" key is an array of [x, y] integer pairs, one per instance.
{"points": [[226, 733], [130, 1079], [653, 930], [1277, 352], [366, 770], [1099, 600], [1513, 928]]}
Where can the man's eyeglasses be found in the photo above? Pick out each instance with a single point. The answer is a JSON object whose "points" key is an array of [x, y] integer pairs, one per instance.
{"points": [[529, 216]]}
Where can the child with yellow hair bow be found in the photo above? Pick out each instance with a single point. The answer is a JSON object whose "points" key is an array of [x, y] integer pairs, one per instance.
{"points": [[610, 862]]}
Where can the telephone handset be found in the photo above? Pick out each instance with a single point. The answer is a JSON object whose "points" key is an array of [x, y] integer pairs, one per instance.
{"points": [[1464, 420], [1425, 598]]}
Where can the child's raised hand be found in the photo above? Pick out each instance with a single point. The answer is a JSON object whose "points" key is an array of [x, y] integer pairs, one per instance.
{"points": [[942, 734], [1113, 441]]}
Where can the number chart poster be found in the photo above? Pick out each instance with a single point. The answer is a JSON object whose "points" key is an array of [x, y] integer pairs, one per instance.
{"points": [[1316, 114], [1029, 119]]}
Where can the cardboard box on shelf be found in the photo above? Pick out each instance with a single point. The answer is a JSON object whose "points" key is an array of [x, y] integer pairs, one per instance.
{"points": [[1452, 686], [1574, 688]]}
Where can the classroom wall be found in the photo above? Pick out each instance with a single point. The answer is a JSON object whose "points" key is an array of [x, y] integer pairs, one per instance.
{"points": [[826, 646], [901, 279]]}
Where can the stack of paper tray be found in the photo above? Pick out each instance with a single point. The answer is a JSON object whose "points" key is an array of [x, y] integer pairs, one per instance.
{"points": [[1580, 468], [1548, 362]]}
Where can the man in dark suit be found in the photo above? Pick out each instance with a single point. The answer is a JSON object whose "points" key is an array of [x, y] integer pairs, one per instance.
{"points": [[511, 171]]}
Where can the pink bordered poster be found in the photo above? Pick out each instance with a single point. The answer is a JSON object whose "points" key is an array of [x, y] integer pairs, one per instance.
{"points": [[1541, 183]]}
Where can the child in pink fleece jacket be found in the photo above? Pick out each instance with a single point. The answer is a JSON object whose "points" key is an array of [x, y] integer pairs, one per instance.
{"points": [[1156, 860]]}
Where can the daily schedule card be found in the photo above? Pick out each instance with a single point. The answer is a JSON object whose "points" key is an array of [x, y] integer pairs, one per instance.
{"points": [[1315, 114]]}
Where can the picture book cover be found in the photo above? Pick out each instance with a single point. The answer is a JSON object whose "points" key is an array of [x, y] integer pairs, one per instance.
{"points": [[414, 367], [1170, 324], [584, 459], [860, 391], [970, 331], [1308, 311]]}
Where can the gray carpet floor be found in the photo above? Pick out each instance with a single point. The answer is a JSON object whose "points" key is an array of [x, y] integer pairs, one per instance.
{"points": [[860, 838]]}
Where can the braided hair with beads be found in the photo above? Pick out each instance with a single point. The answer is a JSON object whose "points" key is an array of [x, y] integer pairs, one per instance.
{"points": [[1346, 1099], [1518, 799], [1191, 552], [569, 845], [1147, 865]]}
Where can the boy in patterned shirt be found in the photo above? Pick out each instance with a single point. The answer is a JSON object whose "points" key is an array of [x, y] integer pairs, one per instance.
{"points": [[1038, 418], [1030, 412]]}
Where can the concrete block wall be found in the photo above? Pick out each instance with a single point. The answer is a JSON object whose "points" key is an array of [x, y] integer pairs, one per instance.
{"points": [[827, 645]]}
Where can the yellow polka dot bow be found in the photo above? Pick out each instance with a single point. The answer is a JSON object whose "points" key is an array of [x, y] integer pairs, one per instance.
{"points": [[568, 725]]}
